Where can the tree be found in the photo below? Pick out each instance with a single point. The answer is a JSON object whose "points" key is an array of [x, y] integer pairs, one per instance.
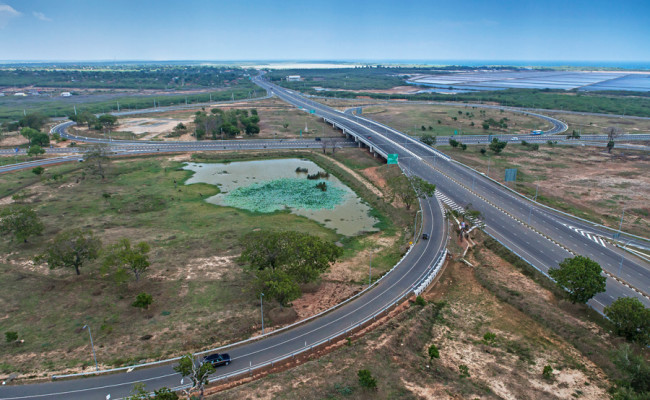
{"points": [[20, 221], [40, 139], [497, 146], [580, 277], [198, 374], [34, 121], [280, 260], [635, 368], [613, 132], [96, 160], [610, 146], [71, 249], [107, 120], [35, 150], [631, 319], [139, 392], [454, 143], [428, 139], [366, 380], [125, 258], [38, 170], [143, 300], [409, 189]]}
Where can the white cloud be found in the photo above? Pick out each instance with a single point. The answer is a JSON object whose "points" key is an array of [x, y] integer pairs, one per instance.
{"points": [[7, 12], [41, 16]]}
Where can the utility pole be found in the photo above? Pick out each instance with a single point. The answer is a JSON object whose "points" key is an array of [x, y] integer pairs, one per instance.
{"points": [[620, 226], [262, 310], [370, 269], [75, 110], [536, 190], [488, 171]]}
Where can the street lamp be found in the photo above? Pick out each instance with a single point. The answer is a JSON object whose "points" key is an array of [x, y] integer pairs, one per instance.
{"points": [[262, 310], [92, 346], [415, 223]]}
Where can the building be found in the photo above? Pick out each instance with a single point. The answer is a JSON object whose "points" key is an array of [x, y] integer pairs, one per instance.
{"points": [[20, 94], [65, 94], [293, 78]]}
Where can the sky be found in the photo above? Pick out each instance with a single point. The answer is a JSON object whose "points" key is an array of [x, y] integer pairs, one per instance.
{"points": [[357, 30]]}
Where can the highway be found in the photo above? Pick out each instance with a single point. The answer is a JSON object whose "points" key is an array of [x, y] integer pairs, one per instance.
{"points": [[509, 218], [542, 237], [393, 286]]}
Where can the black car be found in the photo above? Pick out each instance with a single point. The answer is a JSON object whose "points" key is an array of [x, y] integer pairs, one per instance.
{"points": [[217, 359], [425, 236]]}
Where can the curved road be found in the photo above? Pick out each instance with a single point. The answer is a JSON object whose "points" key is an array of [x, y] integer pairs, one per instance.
{"points": [[538, 235]]}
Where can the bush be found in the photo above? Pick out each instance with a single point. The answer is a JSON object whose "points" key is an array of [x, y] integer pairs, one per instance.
{"points": [[420, 301], [464, 371], [631, 319], [366, 380], [483, 151], [454, 143], [143, 300], [433, 352], [11, 336], [38, 170], [548, 372], [489, 338]]}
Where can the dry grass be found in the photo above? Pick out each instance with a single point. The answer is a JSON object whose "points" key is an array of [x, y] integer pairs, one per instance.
{"points": [[461, 309]]}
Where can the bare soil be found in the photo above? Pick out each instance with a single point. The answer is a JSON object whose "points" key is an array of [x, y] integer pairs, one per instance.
{"points": [[585, 181], [460, 310]]}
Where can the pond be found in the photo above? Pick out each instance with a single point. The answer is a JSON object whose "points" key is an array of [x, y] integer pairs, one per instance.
{"points": [[272, 185]]}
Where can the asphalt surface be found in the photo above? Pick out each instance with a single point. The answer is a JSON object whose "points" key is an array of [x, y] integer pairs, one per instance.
{"points": [[507, 218], [506, 215]]}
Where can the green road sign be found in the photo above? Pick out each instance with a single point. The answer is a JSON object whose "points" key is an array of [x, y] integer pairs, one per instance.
{"points": [[312, 111], [455, 132], [511, 174], [392, 159]]}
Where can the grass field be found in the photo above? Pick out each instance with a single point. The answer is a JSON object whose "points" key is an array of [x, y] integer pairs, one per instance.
{"points": [[273, 113], [439, 120], [500, 319], [201, 296], [596, 125], [586, 181], [13, 108]]}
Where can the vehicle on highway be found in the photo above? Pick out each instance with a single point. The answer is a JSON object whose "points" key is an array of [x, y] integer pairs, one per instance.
{"points": [[317, 139], [514, 139], [425, 236], [217, 359]]}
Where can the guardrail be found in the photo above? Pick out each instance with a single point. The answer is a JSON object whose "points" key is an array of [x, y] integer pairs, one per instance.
{"points": [[522, 196], [358, 138], [434, 268]]}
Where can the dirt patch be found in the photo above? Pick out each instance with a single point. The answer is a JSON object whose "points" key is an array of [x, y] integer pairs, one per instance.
{"points": [[328, 295], [355, 268], [358, 177], [13, 140], [210, 268]]}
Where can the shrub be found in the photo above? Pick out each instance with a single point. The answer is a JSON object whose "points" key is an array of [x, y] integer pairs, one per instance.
{"points": [[483, 151], [433, 352], [11, 336], [420, 301], [489, 338], [548, 372], [464, 371], [366, 380], [143, 300], [38, 170]]}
